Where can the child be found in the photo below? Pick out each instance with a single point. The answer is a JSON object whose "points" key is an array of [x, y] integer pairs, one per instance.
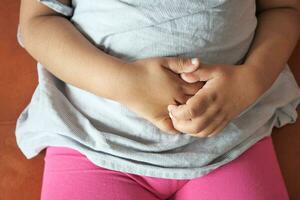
{"points": [[108, 71]]}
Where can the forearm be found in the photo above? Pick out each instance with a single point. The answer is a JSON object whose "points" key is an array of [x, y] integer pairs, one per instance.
{"points": [[276, 36], [66, 53]]}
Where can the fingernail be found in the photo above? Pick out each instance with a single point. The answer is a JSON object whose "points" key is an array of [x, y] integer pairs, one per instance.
{"points": [[193, 66], [170, 114], [195, 61]]}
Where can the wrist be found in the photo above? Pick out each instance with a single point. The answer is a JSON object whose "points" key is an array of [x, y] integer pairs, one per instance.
{"points": [[111, 78], [126, 80], [261, 80]]}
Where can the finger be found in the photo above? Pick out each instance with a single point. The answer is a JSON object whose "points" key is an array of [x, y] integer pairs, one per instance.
{"points": [[219, 128], [206, 121], [195, 106], [192, 88], [181, 64], [203, 73], [180, 125], [189, 77], [166, 125], [215, 123], [195, 125]]}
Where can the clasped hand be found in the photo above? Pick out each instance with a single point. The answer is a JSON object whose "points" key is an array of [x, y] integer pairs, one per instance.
{"points": [[178, 96], [228, 90]]}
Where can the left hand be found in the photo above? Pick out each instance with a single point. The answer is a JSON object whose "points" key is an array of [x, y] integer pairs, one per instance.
{"points": [[228, 90]]}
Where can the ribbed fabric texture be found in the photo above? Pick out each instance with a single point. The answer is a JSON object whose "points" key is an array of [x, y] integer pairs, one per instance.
{"points": [[108, 133]]}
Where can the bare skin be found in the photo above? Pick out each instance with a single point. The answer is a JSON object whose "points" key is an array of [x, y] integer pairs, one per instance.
{"points": [[228, 90]]}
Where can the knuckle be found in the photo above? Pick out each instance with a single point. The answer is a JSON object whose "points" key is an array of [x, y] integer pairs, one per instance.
{"points": [[192, 112], [218, 110], [201, 99], [202, 106], [213, 96], [209, 98]]}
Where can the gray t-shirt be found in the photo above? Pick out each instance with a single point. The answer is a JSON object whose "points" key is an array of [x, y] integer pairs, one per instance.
{"points": [[114, 137]]}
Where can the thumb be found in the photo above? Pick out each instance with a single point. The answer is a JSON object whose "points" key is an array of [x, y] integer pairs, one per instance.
{"points": [[166, 125], [182, 64], [204, 73]]}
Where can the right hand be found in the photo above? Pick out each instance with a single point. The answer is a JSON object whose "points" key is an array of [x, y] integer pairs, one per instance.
{"points": [[155, 83]]}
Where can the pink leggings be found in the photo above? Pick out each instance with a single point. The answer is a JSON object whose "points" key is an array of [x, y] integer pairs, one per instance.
{"points": [[253, 175]]}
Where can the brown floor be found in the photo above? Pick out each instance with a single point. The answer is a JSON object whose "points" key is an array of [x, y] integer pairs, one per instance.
{"points": [[21, 178]]}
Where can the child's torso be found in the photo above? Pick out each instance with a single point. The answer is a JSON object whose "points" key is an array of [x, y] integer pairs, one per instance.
{"points": [[218, 31]]}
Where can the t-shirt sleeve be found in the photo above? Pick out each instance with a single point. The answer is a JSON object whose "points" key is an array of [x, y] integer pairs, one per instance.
{"points": [[54, 5], [58, 7]]}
